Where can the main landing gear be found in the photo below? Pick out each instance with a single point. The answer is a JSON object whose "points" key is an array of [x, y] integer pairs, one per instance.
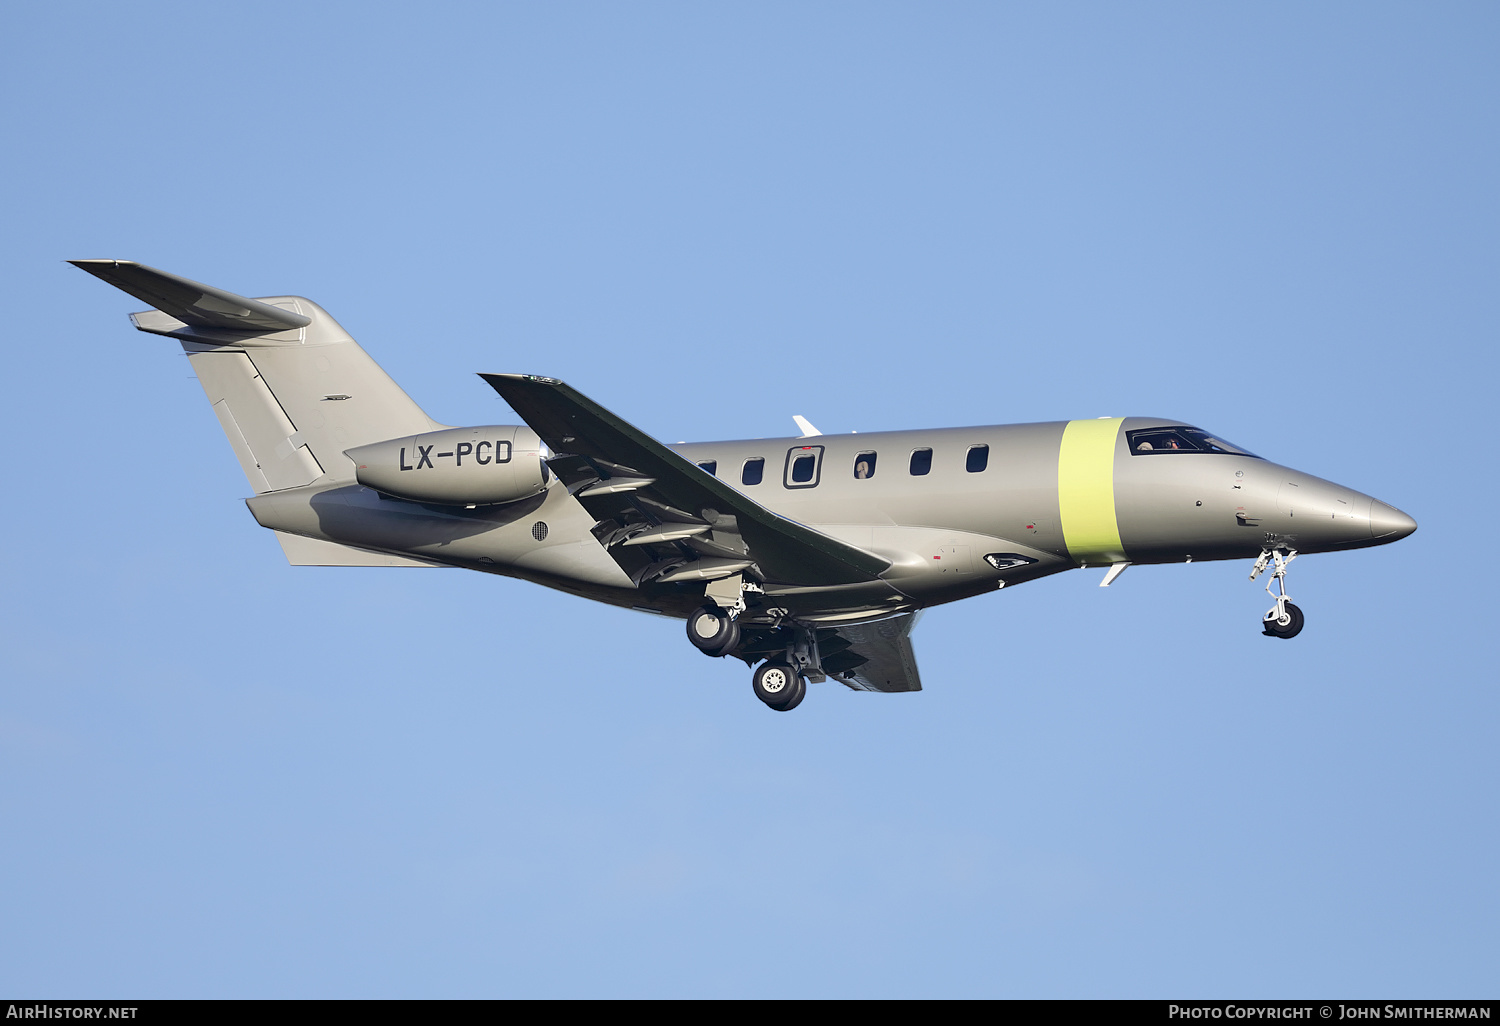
{"points": [[714, 627], [781, 682], [790, 649], [779, 686], [713, 631], [1283, 620]]}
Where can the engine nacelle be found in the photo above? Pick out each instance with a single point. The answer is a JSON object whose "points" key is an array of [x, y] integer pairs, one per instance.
{"points": [[478, 466]]}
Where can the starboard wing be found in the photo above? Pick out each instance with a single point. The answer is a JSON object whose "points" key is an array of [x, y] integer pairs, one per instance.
{"points": [[878, 657]]}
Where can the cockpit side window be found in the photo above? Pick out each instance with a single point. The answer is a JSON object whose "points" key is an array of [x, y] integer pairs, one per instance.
{"points": [[1154, 441], [1160, 440], [1211, 443]]}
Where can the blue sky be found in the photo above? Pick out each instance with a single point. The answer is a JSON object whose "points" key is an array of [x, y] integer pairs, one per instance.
{"points": [[223, 776]]}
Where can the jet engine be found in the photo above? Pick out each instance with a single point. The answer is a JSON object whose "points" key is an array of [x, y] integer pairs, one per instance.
{"points": [[469, 466]]}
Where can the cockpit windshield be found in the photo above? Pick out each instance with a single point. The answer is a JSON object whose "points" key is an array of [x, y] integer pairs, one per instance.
{"points": [[1150, 441]]}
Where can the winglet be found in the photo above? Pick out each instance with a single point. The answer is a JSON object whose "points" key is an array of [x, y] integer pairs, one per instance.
{"points": [[808, 431], [192, 302]]}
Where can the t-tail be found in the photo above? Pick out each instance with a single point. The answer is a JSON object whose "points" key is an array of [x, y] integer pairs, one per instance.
{"points": [[292, 390]]}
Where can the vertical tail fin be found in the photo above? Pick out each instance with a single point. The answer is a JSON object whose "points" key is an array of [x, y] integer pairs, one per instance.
{"points": [[291, 389]]}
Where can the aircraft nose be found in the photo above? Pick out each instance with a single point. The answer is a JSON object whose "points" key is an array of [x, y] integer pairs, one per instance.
{"points": [[1388, 523]]}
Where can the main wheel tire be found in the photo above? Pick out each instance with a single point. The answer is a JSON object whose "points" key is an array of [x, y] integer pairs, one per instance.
{"points": [[713, 633], [799, 692], [779, 686], [1274, 628]]}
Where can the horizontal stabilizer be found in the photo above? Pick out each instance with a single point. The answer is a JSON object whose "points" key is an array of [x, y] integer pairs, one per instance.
{"points": [[193, 303]]}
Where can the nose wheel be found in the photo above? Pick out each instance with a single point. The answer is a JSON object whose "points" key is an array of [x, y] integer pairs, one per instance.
{"points": [[1286, 625], [1283, 620]]}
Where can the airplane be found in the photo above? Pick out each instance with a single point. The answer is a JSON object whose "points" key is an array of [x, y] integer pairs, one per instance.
{"points": [[807, 557]]}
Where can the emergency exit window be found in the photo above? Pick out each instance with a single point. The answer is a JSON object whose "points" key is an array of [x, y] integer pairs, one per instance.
{"points": [[802, 466]]}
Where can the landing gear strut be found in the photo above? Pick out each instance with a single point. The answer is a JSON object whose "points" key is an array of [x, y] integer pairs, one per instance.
{"points": [[1283, 620]]}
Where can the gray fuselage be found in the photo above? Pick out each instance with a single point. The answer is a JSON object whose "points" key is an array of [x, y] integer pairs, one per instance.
{"points": [[1039, 501]]}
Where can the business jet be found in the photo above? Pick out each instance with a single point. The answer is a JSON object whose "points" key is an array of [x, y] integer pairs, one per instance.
{"points": [[807, 557]]}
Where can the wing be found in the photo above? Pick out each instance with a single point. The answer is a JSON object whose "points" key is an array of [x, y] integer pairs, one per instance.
{"points": [[874, 656], [661, 517]]}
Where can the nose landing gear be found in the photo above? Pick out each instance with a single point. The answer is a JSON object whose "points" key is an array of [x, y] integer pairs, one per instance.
{"points": [[1283, 620], [1284, 625]]}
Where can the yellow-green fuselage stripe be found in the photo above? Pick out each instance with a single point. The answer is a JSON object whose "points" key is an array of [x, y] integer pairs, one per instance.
{"points": [[1086, 490]]}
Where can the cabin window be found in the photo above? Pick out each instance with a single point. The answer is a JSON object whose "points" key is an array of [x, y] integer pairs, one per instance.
{"points": [[712, 466], [753, 471], [864, 465], [1154, 441], [921, 462], [978, 459]]}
